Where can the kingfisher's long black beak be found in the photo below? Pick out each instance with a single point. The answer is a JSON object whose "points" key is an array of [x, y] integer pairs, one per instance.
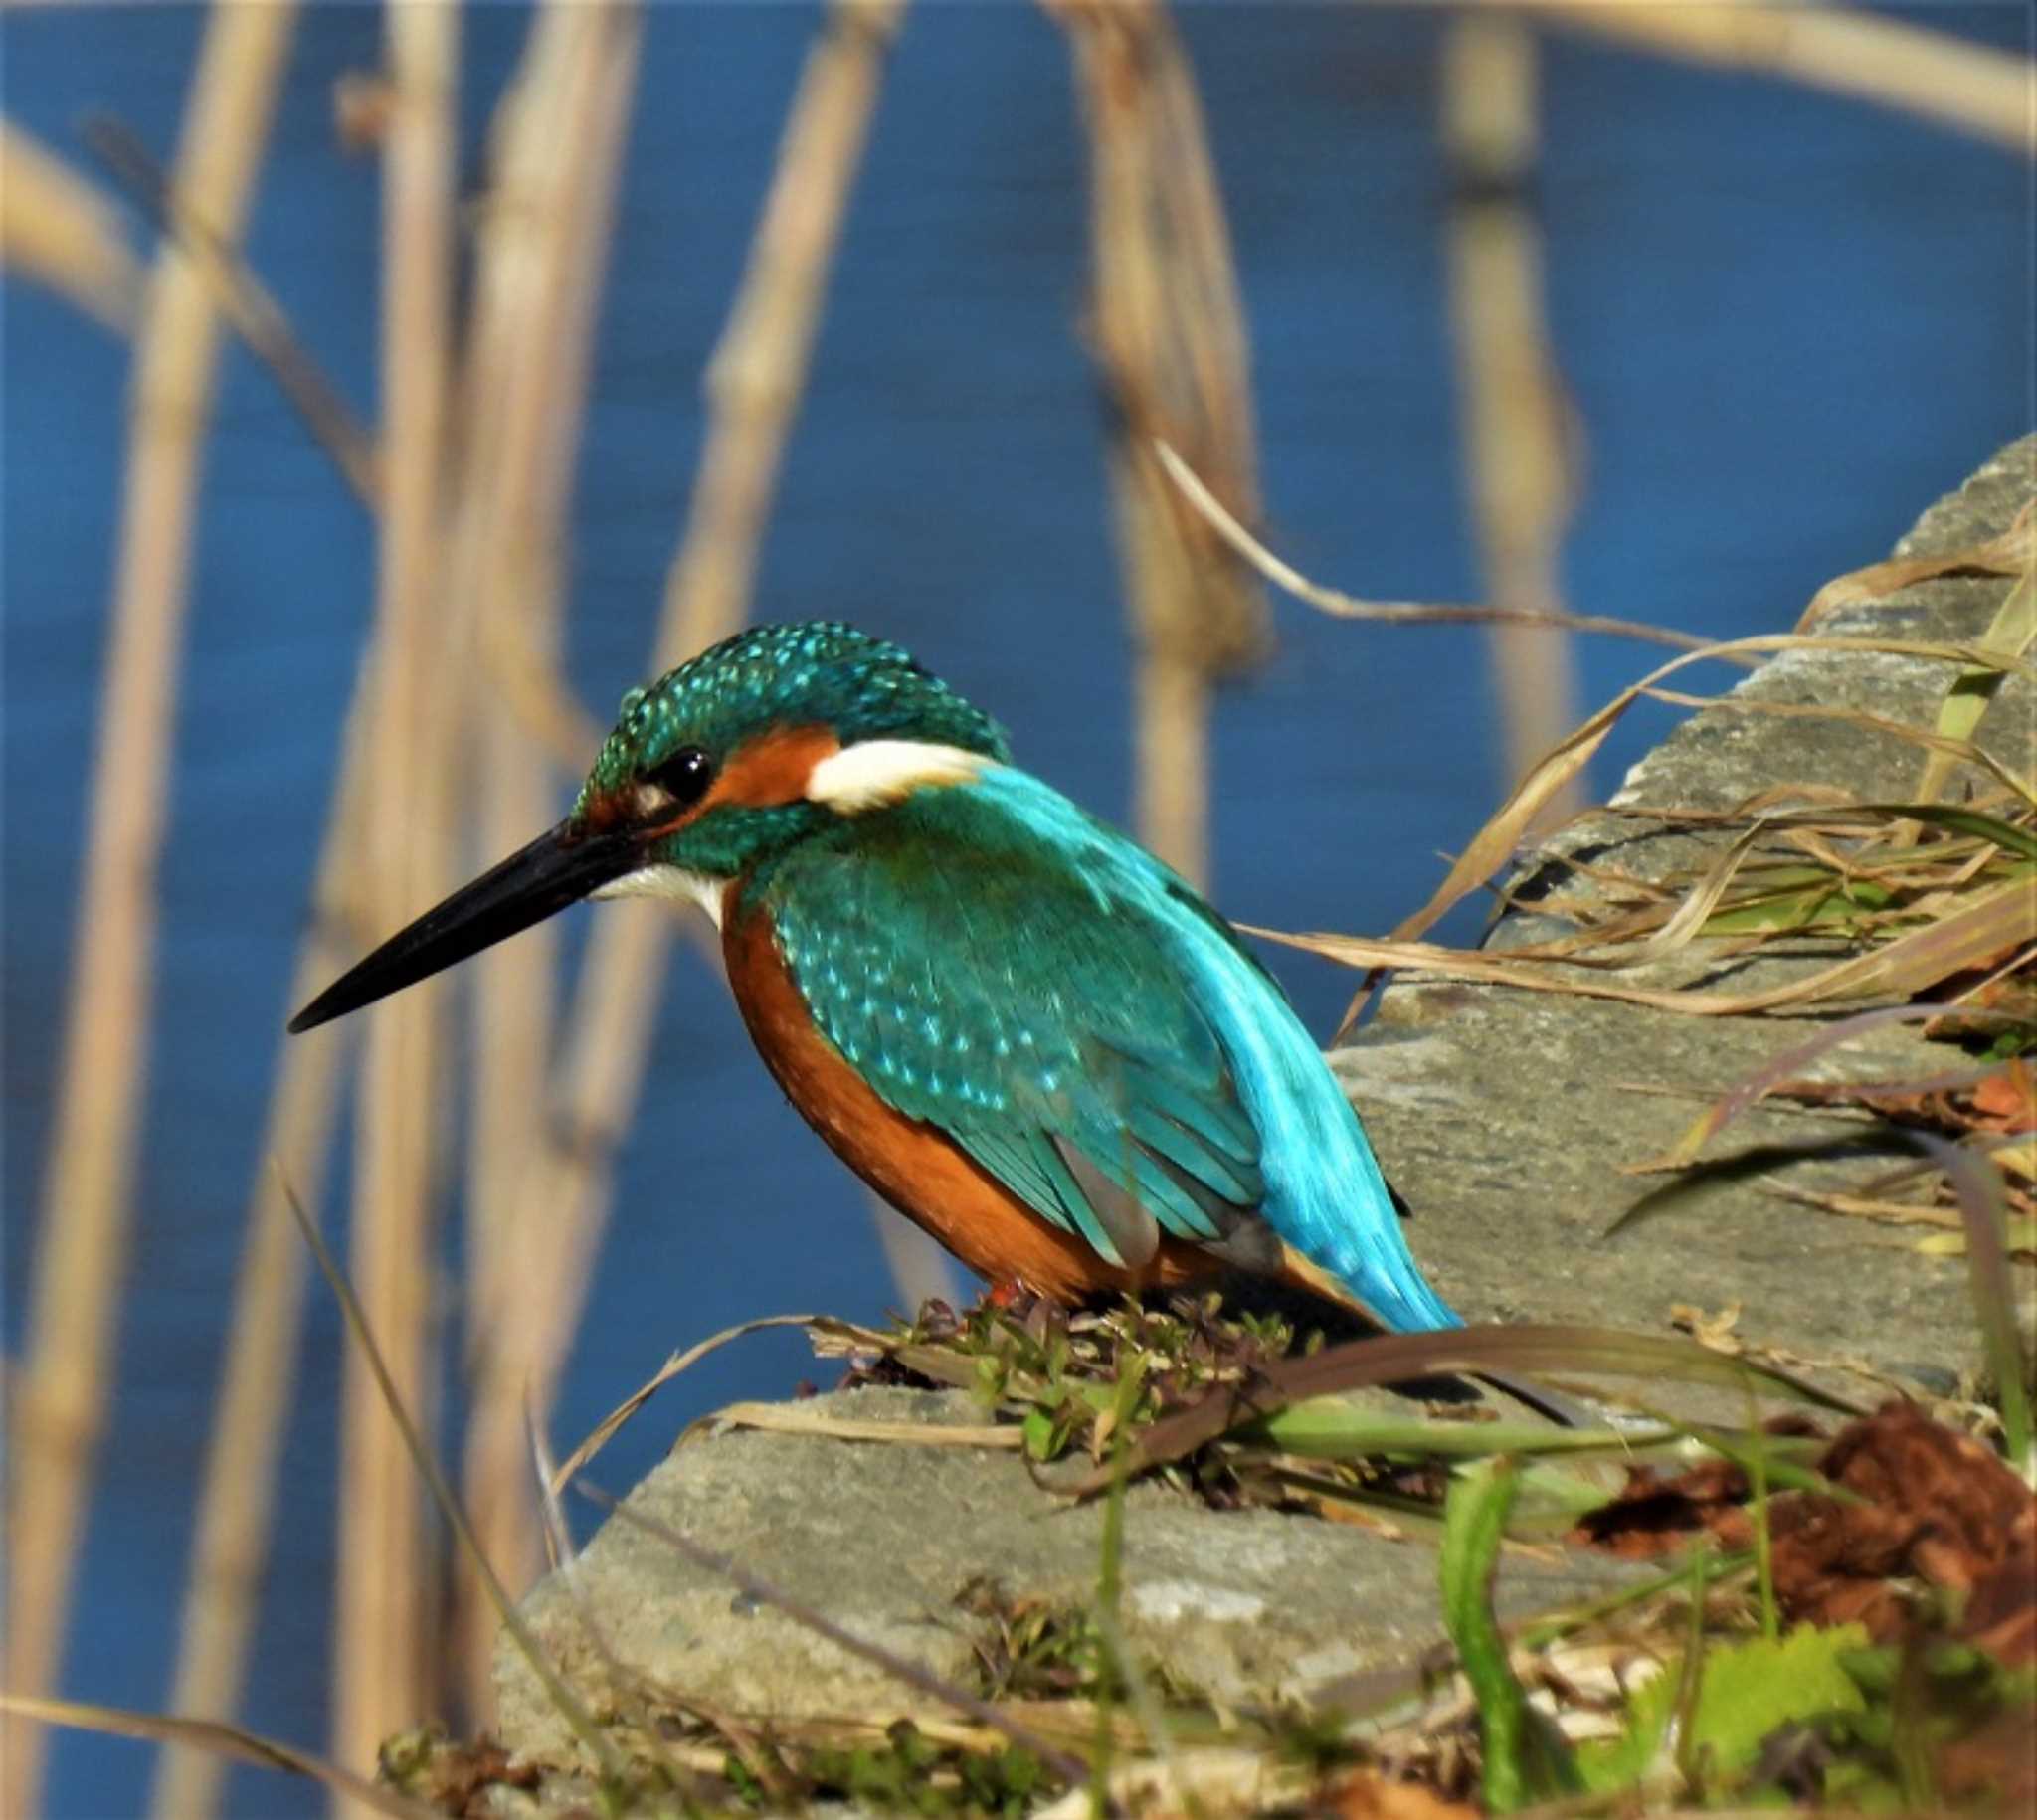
{"points": [[558, 868]]}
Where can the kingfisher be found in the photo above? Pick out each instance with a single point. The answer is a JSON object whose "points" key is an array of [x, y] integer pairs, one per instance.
{"points": [[1013, 1022]]}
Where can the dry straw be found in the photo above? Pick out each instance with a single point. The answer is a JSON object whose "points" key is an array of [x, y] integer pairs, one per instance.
{"points": [[385, 1596], [237, 1500], [544, 234], [237, 1496], [1940, 78], [88, 1199], [1515, 416], [755, 381], [58, 229], [1169, 336]]}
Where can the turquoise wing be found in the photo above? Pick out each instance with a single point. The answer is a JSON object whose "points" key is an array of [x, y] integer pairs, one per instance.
{"points": [[997, 963], [984, 986]]}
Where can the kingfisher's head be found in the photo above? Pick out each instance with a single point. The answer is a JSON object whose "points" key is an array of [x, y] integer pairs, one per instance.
{"points": [[750, 747]]}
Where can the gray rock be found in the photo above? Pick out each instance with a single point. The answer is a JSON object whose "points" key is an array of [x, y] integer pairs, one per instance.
{"points": [[1504, 1116], [1243, 1607]]}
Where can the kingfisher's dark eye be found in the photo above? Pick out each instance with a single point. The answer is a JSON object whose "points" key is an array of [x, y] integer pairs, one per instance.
{"points": [[685, 774]]}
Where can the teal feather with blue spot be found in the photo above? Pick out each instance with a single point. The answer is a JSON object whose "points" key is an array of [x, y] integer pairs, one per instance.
{"points": [[997, 963]]}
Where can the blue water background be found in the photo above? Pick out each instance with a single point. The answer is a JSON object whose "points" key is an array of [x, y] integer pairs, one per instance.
{"points": [[1788, 321]]}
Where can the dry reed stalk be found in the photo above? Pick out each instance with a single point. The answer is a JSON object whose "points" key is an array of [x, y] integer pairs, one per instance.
{"points": [[237, 1499], [230, 1552], [60, 1392], [753, 385], [1169, 336], [1974, 88], [1516, 447], [558, 149], [246, 303], [60, 230], [384, 1593]]}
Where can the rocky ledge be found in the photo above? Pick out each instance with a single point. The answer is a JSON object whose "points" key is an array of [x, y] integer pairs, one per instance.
{"points": [[1505, 1116]]}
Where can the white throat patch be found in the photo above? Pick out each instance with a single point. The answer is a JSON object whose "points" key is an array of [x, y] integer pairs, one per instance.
{"points": [[669, 881], [875, 773]]}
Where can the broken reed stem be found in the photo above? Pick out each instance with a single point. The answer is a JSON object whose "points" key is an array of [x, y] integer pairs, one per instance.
{"points": [[1971, 87], [1170, 337], [1516, 447], [753, 385], [237, 1500], [544, 234], [385, 1618], [60, 230], [88, 1199]]}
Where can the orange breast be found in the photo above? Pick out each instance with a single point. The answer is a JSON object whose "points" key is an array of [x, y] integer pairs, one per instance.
{"points": [[915, 1166]]}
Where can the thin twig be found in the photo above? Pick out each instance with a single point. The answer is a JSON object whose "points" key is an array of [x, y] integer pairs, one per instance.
{"points": [[1341, 606], [224, 1743], [425, 1463]]}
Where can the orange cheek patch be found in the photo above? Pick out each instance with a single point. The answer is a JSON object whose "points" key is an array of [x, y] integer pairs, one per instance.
{"points": [[769, 770], [773, 768]]}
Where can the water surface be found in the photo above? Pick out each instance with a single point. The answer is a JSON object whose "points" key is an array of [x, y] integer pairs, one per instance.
{"points": [[1788, 321]]}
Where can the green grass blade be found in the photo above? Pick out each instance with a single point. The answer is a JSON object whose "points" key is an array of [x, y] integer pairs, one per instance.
{"points": [[2010, 634], [1329, 1428], [1522, 1349], [1977, 1184], [1524, 1760]]}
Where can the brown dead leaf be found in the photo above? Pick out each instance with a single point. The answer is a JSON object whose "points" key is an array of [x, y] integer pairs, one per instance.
{"points": [[457, 1776], [1714, 1330], [2007, 1100], [1654, 1514], [2001, 1612], [1657, 1511], [2007, 553], [1995, 1762], [1971, 1514], [1933, 1506], [1367, 1796]]}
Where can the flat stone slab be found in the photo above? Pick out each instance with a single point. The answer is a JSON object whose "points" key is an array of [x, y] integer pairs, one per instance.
{"points": [[1242, 1607], [1504, 1114]]}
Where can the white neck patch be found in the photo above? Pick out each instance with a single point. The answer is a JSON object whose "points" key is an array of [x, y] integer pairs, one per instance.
{"points": [[669, 881], [875, 773]]}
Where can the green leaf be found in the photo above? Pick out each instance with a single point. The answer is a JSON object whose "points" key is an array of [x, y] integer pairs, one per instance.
{"points": [[1749, 1689], [1041, 1441], [2010, 836], [1525, 1758], [1331, 1428]]}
